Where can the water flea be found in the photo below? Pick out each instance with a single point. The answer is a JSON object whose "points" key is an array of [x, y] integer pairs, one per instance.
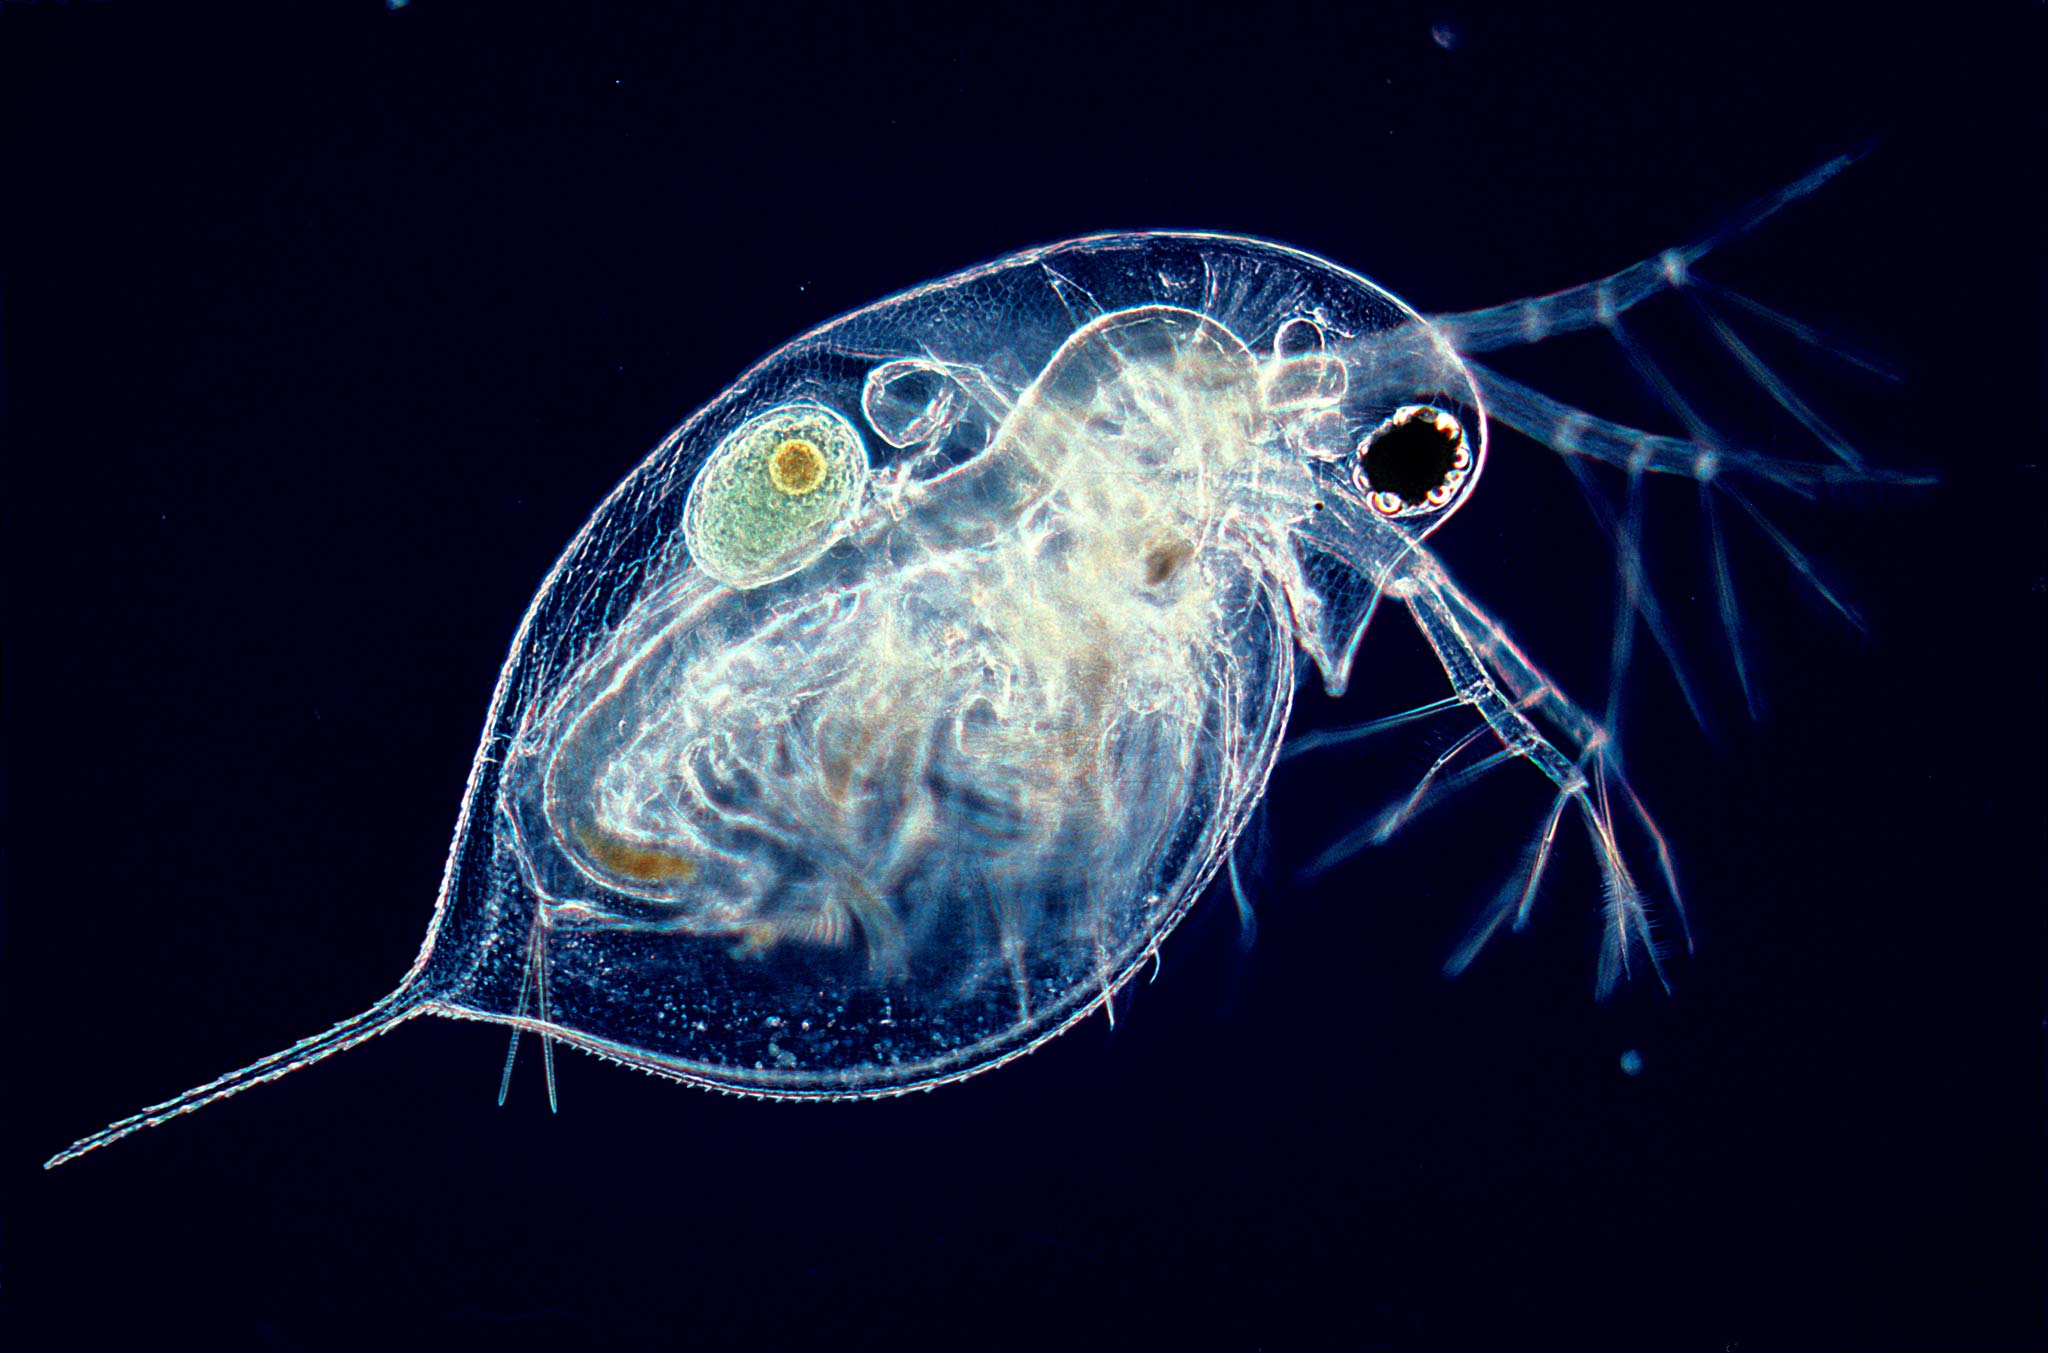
{"points": [[887, 718]]}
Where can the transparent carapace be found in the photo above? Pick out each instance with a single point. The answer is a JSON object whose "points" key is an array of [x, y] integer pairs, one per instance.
{"points": [[889, 715]]}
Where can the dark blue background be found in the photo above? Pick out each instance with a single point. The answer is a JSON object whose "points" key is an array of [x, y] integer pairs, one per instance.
{"points": [[324, 334]]}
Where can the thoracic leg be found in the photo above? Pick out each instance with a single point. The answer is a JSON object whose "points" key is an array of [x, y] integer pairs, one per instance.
{"points": [[1491, 674]]}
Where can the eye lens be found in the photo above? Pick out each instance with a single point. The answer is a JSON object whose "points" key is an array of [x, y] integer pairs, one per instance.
{"points": [[1415, 460]]}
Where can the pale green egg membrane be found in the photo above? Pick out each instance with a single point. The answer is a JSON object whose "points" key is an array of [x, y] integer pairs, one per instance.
{"points": [[742, 529]]}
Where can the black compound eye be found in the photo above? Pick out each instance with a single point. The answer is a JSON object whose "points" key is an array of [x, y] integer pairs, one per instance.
{"points": [[1415, 462]]}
